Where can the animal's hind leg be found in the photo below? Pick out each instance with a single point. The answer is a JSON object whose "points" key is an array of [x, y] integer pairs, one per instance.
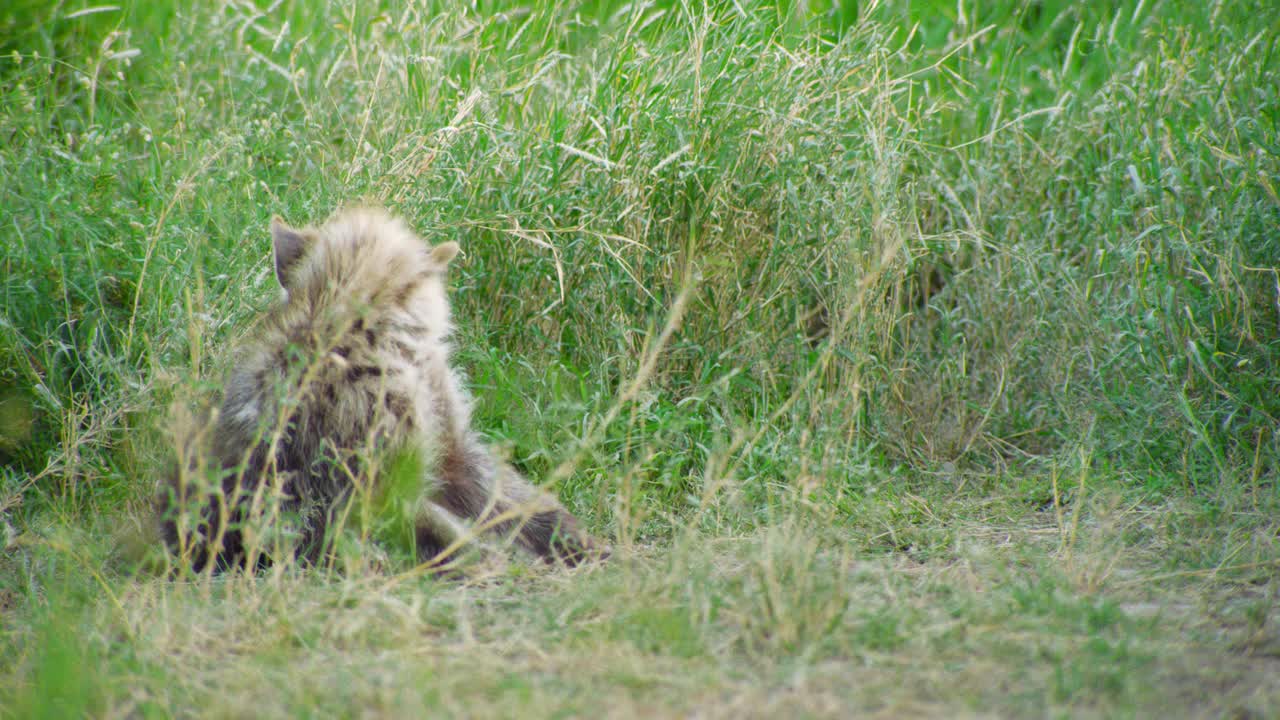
{"points": [[441, 537], [477, 485]]}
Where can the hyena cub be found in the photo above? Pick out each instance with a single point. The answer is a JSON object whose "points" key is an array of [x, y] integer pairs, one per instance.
{"points": [[352, 363]]}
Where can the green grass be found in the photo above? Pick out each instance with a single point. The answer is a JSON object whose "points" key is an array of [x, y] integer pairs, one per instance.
{"points": [[917, 359]]}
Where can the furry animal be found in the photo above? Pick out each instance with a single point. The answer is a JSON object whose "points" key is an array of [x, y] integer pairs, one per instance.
{"points": [[353, 362]]}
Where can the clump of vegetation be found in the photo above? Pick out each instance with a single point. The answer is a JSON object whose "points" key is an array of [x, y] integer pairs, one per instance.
{"points": [[934, 347]]}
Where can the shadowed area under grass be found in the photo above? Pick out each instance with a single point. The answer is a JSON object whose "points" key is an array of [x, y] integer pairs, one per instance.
{"points": [[916, 359]]}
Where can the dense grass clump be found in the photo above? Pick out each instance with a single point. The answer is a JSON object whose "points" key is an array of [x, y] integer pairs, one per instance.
{"points": [[935, 344]]}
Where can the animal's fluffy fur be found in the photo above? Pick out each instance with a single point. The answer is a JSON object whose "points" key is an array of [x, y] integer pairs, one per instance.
{"points": [[352, 363]]}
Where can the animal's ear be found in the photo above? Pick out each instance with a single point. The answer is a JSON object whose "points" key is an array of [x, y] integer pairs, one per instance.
{"points": [[289, 245], [444, 252]]}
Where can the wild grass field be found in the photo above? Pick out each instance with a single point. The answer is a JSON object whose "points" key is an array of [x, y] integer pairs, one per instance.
{"points": [[917, 359]]}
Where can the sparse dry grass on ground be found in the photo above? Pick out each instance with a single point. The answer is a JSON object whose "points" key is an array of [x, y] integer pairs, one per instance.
{"points": [[1005, 618]]}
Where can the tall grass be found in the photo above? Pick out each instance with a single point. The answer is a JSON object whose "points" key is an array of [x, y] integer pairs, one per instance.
{"points": [[761, 290]]}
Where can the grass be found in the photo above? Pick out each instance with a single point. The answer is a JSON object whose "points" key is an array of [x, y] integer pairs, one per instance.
{"points": [[917, 359]]}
